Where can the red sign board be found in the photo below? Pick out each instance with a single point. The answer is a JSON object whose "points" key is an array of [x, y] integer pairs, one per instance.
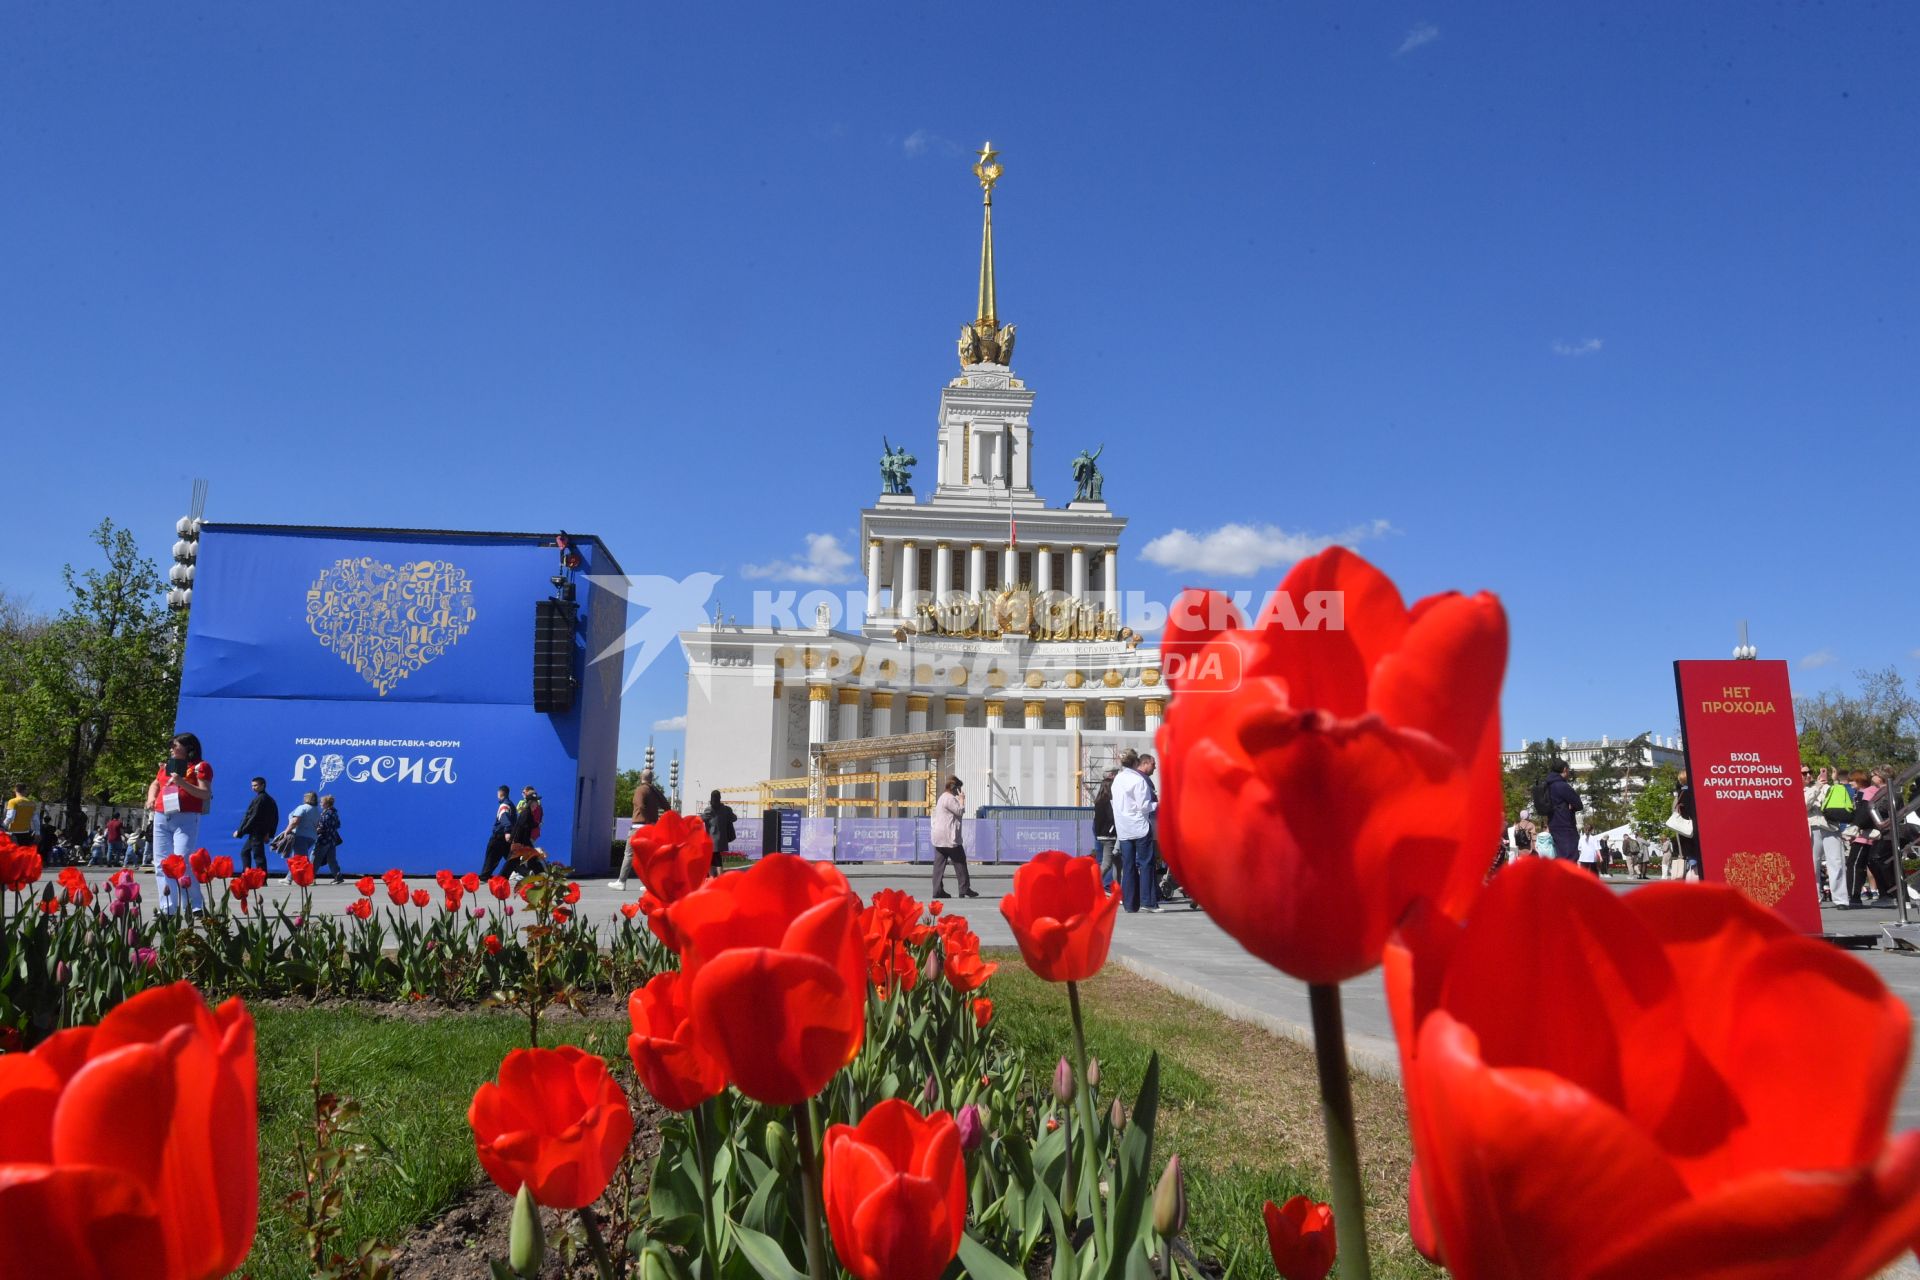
{"points": [[1743, 755]]}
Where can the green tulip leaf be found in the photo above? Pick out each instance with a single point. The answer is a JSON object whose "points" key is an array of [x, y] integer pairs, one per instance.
{"points": [[983, 1263], [768, 1259]]}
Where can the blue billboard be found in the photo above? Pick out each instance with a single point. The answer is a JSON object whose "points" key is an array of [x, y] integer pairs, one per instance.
{"points": [[393, 669]]}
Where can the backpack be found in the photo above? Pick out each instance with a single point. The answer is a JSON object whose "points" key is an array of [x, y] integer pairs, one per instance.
{"points": [[1837, 806], [1521, 840], [1542, 796]]}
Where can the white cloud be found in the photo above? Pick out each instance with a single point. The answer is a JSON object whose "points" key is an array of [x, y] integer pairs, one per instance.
{"points": [[1425, 33], [917, 143], [1583, 347], [672, 724], [1238, 550], [825, 562], [1819, 658]]}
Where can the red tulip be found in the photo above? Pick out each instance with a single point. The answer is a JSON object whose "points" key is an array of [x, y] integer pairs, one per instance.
{"points": [[173, 867], [360, 908], [201, 863], [676, 1070], [300, 870], [223, 867], [888, 932], [131, 1147], [896, 1193], [1606, 1087], [672, 857], [967, 972], [556, 1122], [366, 886], [470, 883], [421, 898], [393, 875], [397, 893], [1300, 1237], [1354, 771], [935, 908], [500, 887], [572, 894], [20, 865], [778, 975], [982, 1012], [444, 877], [452, 900], [629, 909], [492, 943], [1061, 917]]}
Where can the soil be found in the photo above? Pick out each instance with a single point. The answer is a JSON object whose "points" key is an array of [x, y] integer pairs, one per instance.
{"points": [[474, 1229], [597, 1005]]}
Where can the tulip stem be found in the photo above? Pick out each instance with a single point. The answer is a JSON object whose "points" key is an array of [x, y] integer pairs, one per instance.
{"points": [[697, 1119], [1084, 1093], [1343, 1148], [596, 1245], [810, 1190]]}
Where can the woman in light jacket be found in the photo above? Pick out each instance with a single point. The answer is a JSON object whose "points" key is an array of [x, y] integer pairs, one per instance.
{"points": [[948, 810], [178, 797]]}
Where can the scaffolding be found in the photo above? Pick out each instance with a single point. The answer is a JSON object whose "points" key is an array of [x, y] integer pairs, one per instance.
{"points": [[821, 790]]}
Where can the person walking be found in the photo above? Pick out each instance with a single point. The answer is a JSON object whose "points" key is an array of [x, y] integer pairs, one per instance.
{"points": [[1829, 805], [1592, 848], [178, 797], [1562, 802], [326, 839], [23, 817], [116, 833], [303, 824], [649, 802], [500, 841], [1686, 836], [1133, 805], [948, 810], [1103, 836], [259, 825], [720, 818], [525, 855]]}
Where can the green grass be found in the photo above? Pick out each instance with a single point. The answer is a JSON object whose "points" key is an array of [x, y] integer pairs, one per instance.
{"points": [[413, 1080], [1239, 1105]]}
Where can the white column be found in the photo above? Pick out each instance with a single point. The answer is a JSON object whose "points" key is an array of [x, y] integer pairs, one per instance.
{"points": [[1116, 714], [1078, 574], [882, 713], [1035, 709], [1154, 709], [1043, 569], [956, 713], [819, 707], [875, 552], [911, 576], [976, 570], [899, 586], [849, 698], [1009, 565], [916, 713], [1111, 558], [996, 713], [942, 570]]}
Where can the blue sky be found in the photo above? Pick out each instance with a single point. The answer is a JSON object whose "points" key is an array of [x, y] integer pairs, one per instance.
{"points": [[1613, 311]]}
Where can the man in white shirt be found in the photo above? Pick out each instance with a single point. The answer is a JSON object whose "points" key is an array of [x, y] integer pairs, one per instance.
{"points": [[1133, 806]]}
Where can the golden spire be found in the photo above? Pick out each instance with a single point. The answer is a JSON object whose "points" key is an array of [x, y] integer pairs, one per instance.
{"points": [[988, 170]]}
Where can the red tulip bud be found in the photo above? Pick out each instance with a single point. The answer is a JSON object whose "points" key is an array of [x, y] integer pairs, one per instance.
{"points": [[1117, 1116], [929, 1094], [930, 971], [1063, 1082], [1093, 1073]]}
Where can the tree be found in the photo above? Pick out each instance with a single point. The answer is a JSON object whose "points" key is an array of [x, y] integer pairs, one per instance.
{"points": [[1608, 787], [1650, 808], [100, 682], [623, 787], [1879, 725]]}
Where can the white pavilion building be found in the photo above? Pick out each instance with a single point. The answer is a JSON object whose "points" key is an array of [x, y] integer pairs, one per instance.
{"points": [[990, 646]]}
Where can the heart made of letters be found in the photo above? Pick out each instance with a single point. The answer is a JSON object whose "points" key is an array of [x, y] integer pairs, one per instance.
{"points": [[387, 622], [1764, 877]]}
